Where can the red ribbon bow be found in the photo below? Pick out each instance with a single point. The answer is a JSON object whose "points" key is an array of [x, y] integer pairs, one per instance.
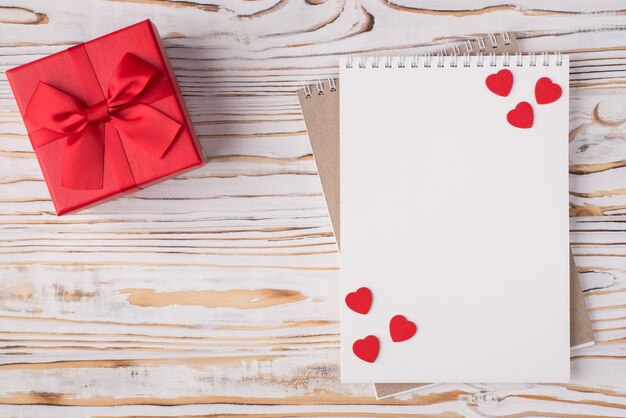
{"points": [[63, 116]]}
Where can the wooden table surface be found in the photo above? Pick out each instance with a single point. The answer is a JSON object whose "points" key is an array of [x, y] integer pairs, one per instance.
{"points": [[218, 292]]}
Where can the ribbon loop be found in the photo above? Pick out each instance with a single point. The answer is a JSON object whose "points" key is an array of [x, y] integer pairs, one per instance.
{"points": [[62, 116], [131, 78], [52, 109]]}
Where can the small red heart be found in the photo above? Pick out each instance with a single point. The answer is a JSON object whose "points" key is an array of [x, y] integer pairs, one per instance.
{"points": [[360, 301], [522, 116], [367, 348], [401, 329], [500, 83], [546, 91]]}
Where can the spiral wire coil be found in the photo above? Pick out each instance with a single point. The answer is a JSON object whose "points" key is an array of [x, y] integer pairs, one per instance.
{"points": [[452, 57]]}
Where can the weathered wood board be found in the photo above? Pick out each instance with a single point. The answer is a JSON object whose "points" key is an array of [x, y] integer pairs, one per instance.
{"points": [[217, 292]]}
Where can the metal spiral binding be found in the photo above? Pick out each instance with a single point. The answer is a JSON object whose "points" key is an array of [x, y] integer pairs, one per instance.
{"points": [[475, 46], [559, 58], [440, 59], [320, 88], [506, 38], [452, 59], [307, 91], [485, 47], [481, 45], [467, 60], [319, 85], [480, 51]]}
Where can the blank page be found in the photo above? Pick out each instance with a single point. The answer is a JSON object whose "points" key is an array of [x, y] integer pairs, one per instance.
{"points": [[456, 218]]}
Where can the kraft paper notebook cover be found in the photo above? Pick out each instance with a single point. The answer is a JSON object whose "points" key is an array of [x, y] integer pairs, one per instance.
{"points": [[322, 120]]}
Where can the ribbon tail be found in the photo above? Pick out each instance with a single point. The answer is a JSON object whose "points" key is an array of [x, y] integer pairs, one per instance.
{"points": [[152, 130], [83, 159]]}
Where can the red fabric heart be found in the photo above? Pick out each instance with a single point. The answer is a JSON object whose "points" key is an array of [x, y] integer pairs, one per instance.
{"points": [[522, 116], [401, 329], [360, 301], [546, 91], [500, 83], [367, 348]]}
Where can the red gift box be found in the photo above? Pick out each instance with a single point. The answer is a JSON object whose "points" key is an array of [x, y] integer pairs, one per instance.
{"points": [[106, 117]]}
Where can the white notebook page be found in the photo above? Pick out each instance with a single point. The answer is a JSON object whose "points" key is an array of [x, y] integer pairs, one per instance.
{"points": [[455, 225]]}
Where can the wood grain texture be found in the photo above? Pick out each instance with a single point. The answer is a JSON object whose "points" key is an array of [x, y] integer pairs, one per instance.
{"points": [[218, 292]]}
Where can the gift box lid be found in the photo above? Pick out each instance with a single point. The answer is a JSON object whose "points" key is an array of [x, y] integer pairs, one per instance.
{"points": [[86, 73]]}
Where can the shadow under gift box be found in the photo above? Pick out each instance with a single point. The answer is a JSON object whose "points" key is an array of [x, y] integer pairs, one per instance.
{"points": [[86, 72]]}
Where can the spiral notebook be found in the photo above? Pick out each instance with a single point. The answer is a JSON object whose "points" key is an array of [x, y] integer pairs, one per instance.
{"points": [[320, 108], [454, 216], [330, 120]]}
